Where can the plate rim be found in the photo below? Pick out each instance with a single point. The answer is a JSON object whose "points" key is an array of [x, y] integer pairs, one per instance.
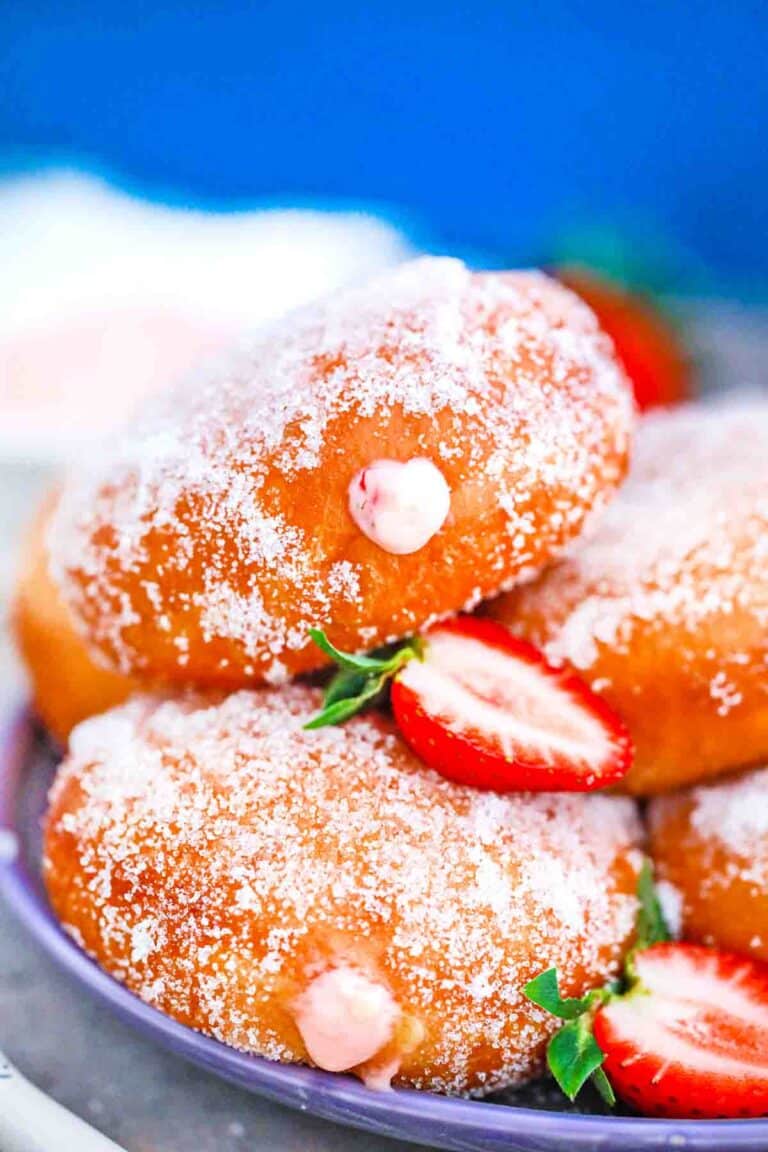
{"points": [[405, 1114]]}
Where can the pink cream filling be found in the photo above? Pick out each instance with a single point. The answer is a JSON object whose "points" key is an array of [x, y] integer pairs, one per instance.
{"points": [[344, 1019], [399, 505]]}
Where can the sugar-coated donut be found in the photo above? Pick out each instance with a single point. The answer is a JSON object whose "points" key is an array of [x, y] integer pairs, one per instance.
{"points": [[664, 606], [710, 849], [323, 897], [67, 684], [369, 464]]}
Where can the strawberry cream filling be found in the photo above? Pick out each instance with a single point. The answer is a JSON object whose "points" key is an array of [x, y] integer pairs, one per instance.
{"points": [[345, 1018], [399, 506]]}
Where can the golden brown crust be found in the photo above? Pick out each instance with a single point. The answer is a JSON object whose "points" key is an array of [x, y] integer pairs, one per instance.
{"points": [[663, 608], [67, 684], [216, 858], [220, 531], [711, 845]]}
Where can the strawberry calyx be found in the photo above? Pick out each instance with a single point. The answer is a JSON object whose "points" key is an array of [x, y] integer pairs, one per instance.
{"points": [[360, 680], [573, 1054]]}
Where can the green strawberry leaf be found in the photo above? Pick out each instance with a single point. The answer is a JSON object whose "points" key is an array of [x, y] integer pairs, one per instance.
{"points": [[603, 1086], [650, 926], [573, 1055], [339, 710], [346, 684], [359, 679], [544, 991], [347, 659]]}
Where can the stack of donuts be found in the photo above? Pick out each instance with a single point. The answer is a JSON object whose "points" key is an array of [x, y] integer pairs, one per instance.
{"points": [[425, 480]]}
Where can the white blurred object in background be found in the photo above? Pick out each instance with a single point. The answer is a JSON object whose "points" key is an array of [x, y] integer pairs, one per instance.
{"points": [[104, 297]]}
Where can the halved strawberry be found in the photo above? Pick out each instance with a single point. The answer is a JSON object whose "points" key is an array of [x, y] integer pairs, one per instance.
{"points": [[683, 1032], [485, 709], [691, 1036]]}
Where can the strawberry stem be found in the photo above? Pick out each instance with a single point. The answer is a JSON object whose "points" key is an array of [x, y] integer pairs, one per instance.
{"points": [[360, 680], [651, 927]]}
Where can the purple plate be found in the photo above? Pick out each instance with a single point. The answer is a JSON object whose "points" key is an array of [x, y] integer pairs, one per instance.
{"points": [[507, 1122]]}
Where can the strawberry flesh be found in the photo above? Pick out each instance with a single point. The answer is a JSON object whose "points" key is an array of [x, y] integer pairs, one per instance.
{"points": [[485, 709], [691, 1040]]}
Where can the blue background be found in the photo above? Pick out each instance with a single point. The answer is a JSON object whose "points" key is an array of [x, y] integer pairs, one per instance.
{"points": [[499, 125]]}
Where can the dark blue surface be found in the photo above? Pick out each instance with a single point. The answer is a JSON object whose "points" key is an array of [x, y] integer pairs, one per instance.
{"points": [[500, 124]]}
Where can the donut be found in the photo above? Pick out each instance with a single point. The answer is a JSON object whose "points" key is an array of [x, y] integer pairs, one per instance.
{"points": [[710, 849], [368, 465], [67, 684], [322, 896], [663, 604]]}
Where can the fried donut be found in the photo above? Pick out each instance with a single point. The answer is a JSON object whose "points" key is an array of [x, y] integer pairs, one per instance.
{"points": [[370, 464], [323, 897], [67, 685], [710, 849], [664, 606]]}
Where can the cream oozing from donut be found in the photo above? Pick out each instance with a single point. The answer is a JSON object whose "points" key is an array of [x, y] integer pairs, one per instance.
{"points": [[399, 505], [345, 1018]]}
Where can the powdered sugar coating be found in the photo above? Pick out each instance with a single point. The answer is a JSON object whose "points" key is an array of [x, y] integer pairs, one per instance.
{"points": [[732, 818], [217, 858], [687, 537], [735, 813], [663, 603], [217, 532], [711, 842]]}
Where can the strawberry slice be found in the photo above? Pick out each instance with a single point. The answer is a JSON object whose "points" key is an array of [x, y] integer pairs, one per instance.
{"points": [[485, 709], [691, 1037]]}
